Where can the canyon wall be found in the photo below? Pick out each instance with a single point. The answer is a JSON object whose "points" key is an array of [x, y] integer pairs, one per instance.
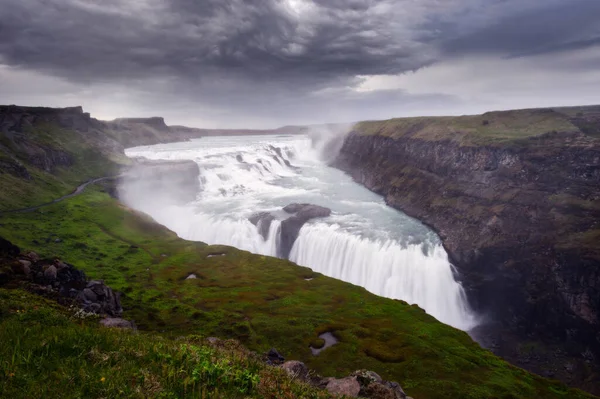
{"points": [[518, 211]]}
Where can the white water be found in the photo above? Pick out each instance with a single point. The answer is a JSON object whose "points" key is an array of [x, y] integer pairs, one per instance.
{"points": [[363, 242]]}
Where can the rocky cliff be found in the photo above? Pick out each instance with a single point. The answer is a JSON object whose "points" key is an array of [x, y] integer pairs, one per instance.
{"points": [[515, 197]]}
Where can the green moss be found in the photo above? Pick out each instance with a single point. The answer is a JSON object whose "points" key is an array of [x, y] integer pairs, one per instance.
{"points": [[49, 352], [262, 301], [486, 129]]}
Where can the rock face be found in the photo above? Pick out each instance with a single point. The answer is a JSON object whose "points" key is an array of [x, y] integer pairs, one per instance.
{"points": [[262, 221], [290, 226], [20, 146], [301, 213], [521, 222]]}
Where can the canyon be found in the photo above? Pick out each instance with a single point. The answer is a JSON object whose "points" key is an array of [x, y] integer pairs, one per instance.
{"points": [[513, 198]]}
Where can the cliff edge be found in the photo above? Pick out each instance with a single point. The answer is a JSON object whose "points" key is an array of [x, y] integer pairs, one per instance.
{"points": [[515, 197]]}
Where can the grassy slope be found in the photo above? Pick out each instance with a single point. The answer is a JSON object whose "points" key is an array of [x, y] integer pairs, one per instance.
{"points": [[488, 128], [266, 302], [90, 155], [259, 300], [50, 352]]}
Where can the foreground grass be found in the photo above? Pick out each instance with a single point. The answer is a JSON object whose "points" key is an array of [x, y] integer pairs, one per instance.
{"points": [[264, 302], [47, 352]]}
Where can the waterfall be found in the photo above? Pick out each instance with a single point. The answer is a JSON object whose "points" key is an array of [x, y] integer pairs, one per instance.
{"points": [[413, 273], [363, 242]]}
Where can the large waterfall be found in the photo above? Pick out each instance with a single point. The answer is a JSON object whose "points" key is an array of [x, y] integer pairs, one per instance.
{"points": [[363, 242]]}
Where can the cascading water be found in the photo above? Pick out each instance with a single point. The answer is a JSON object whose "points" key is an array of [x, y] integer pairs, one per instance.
{"points": [[363, 242]]}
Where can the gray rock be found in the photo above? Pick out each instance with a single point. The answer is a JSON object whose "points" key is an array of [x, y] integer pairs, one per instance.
{"points": [[90, 295], [396, 388], [191, 277], [296, 369], [365, 377], [33, 256], [290, 227], [348, 386], [23, 267], [115, 322], [50, 273], [262, 221]]}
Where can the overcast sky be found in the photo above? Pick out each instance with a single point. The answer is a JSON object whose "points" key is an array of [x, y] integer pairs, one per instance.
{"points": [[266, 63]]}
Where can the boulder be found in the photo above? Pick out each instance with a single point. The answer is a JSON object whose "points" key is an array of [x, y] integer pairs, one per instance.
{"points": [[262, 221], [115, 322], [296, 369], [7, 248], [32, 256], [274, 357], [50, 273], [290, 228], [22, 267], [98, 298], [366, 377], [348, 386]]}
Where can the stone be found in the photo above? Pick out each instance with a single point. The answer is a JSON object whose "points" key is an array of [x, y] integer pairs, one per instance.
{"points": [[22, 267], [348, 386], [60, 265], [191, 277], [262, 221], [50, 273], [34, 257], [396, 388], [365, 377], [274, 357], [115, 322], [296, 369], [290, 227], [90, 295], [7, 248]]}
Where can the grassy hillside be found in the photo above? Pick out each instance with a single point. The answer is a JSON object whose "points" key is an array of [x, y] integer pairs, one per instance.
{"points": [[45, 162], [261, 301], [50, 352], [489, 128]]}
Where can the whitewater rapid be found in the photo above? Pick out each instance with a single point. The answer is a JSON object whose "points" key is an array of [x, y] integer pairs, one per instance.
{"points": [[363, 242]]}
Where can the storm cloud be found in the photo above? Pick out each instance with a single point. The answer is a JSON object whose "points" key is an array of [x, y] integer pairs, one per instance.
{"points": [[255, 63]]}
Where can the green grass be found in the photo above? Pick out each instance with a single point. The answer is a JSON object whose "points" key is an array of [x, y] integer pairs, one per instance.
{"points": [[262, 302], [486, 129], [48, 352], [93, 155], [265, 302]]}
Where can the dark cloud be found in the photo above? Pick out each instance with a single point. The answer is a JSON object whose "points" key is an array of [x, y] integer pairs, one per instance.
{"points": [[279, 60], [195, 39], [545, 26]]}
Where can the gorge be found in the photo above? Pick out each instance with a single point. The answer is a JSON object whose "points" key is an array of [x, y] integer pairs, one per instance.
{"points": [[362, 241], [276, 195]]}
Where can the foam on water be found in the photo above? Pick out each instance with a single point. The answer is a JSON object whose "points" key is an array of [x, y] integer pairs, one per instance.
{"points": [[363, 242]]}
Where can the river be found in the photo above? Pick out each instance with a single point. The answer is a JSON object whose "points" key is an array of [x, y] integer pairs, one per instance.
{"points": [[363, 242]]}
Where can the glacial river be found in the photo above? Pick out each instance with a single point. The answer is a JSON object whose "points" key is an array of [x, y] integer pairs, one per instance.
{"points": [[363, 242]]}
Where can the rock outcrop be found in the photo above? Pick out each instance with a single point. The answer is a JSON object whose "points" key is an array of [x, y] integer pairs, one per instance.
{"points": [[521, 220], [59, 280], [290, 227], [28, 138], [296, 216]]}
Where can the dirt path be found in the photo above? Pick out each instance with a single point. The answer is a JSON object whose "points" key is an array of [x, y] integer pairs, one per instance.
{"points": [[76, 192]]}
